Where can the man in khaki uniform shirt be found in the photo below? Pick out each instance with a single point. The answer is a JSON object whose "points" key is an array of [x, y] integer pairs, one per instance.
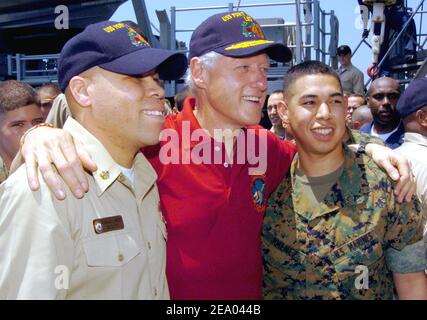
{"points": [[110, 244], [351, 77], [412, 108]]}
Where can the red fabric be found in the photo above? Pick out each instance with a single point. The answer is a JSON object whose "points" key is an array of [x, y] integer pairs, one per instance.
{"points": [[213, 223]]}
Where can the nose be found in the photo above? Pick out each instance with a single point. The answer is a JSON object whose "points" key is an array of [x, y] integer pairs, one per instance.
{"points": [[156, 89], [324, 112], [259, 79]]}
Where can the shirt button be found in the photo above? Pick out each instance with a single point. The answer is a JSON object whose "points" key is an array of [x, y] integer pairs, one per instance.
{"points": [[121, 257], [226, 164], [217, 148], [121, 178], [155, 292], [149, 245]]}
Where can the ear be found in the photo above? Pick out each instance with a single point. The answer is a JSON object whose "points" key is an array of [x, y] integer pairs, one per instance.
{"points": [[282, 110], [198, 72], [421, 117], [78, 88], [356, 125]]}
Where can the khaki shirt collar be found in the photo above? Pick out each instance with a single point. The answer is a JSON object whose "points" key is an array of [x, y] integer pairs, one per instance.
{"points": [[107, 169], [416, 138], [345, 68]]}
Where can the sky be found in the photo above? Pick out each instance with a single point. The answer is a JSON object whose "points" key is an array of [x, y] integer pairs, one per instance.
{"points": [[347, 12]]}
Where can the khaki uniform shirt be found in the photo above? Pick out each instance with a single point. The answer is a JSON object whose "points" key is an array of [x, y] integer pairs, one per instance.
{"points": [[4, 173], [59, 112], [415, 149], [71, 249], [312, 252], [351, 79]]}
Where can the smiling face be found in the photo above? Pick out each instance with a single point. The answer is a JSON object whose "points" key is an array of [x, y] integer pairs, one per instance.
{"points": [[273, 102], [235, 90], [126, 113], [316, 110]]}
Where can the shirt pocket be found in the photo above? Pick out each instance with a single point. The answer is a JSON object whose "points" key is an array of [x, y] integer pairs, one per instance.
{"points": [[111, 251], [359, 266]]}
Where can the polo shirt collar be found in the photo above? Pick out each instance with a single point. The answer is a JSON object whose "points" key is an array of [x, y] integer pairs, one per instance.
{"points": [[415, 138], [107, 169]]}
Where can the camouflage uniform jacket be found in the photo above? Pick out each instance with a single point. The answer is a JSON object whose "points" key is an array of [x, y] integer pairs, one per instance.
{"points": [[312, 252], [4, 173]]}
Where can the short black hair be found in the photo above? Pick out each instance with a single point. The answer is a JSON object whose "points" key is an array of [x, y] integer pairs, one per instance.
{"points": [[307, 68]]}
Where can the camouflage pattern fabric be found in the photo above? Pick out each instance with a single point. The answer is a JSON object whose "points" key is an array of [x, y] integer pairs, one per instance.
{"points": [[313, 252]]}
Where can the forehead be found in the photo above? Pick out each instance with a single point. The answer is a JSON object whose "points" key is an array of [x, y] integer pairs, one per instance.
{"points": [[315, 84], [26, 113], [257, 58], [355, 100], [384, 85], [274, 97]]}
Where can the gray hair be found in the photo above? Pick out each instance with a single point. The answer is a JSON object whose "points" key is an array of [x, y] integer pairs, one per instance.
{"points": [[208, 60]]}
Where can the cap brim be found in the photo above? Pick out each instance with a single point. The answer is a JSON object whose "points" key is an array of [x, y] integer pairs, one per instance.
{"points": [[276, 51], [169, 64]]}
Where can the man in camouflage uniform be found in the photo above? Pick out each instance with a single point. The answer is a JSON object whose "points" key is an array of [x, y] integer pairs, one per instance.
{"points": [[333, 229]]}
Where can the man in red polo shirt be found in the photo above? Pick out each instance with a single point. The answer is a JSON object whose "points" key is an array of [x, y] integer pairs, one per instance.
{"points": [[213, 182]]}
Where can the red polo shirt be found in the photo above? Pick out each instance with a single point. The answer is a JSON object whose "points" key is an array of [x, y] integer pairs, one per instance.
{"points": [[214, 211]]}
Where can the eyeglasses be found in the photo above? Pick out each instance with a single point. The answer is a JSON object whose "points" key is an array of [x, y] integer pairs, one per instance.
{"points": [[390, 96]]}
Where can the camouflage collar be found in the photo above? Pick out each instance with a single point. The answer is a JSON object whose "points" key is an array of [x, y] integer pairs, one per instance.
{"points": [[350, 190]]}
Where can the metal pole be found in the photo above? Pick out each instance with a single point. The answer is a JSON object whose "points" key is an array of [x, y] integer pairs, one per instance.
{"points": [[18, 67], [173, 29], [323, 36], [298, 41], [9, 65], [316, 22]]}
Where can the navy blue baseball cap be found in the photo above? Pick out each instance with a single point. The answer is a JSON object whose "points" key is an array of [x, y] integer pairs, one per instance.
{"points": [[235, 34], [116, 47], [413, 98]]}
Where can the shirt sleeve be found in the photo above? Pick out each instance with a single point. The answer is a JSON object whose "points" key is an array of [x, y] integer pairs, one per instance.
{"points": [[405, 223], [36, 250], [361, 137], [280, 154], [59, 112], [412, 258]]}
